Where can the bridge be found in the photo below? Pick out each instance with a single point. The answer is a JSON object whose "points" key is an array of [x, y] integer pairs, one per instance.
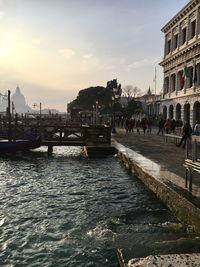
{"points": [[94, 138]]}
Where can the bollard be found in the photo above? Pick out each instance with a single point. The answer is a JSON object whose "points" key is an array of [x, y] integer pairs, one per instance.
{"points": [[50, 150]]}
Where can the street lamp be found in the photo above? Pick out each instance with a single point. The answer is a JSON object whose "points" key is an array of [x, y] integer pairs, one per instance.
{"points": [[95, 112], [115, 97], [36, 105]]}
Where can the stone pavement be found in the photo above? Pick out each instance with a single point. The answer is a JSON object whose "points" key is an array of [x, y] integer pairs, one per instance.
{"points": [[166, 154], [159, 165]]}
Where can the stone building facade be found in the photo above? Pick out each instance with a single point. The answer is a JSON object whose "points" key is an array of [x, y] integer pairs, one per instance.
{"points": [[181, 65]]}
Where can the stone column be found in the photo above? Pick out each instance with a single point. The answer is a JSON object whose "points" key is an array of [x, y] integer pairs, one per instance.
{"points": [[182, 112], [197, 22], [176, 82], [165, 46], [170, 37], [172, 41], [179, 35], [170, 84], [191, 115], [194, 84], [188, 30]]}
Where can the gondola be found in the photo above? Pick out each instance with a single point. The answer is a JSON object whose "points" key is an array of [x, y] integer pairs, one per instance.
{"points": [[10, 144], [18, 145]]}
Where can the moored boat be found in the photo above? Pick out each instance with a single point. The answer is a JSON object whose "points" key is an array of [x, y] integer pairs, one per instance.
{"points": [[18, 145]]}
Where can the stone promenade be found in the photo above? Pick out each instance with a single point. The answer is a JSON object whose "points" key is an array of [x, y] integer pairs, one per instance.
{"points": [[159, 164], [166, 154]]}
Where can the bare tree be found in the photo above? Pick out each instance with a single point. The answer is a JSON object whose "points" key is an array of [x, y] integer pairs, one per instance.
{"points": [[131, 91]]}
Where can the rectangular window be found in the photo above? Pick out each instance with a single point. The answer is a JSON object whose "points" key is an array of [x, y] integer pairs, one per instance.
{"points": [[193, 28], [184, 31], [168, 46], [175, 41]]}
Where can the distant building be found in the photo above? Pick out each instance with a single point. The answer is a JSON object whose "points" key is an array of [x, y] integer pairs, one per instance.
{"points": [[181, 65], [150, 104], [19, 102], [3, 103]]}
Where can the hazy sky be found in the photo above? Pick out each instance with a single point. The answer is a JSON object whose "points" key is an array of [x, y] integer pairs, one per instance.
{"points": [[54, 48]]}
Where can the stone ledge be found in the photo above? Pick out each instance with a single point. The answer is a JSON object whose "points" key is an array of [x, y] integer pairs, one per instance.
{"points": [[156, 180], [172, 260]]}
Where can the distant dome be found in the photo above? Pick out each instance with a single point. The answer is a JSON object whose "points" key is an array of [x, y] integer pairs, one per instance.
{"points": [[19, 101]]}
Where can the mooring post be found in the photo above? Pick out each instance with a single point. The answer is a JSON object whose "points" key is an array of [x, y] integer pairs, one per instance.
{"points": [[50, 150]]}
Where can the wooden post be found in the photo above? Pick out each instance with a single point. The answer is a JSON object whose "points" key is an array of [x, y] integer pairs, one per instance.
{"points": [[9, 119], [50, 150]]}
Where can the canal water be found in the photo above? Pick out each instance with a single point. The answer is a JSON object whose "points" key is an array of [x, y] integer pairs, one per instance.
{"points": [[67, 210]]}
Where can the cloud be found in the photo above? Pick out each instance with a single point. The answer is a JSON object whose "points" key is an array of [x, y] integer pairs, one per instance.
{"points": [[67, 52], [2, 14], [143, 63], [36, 41], [88, 56]]}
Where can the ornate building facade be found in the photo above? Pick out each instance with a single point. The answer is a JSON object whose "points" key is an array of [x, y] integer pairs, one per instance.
{"points": [[181, 65]]}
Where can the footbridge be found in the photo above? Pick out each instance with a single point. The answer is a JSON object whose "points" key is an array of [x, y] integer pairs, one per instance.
{"points": [[94, 138]]}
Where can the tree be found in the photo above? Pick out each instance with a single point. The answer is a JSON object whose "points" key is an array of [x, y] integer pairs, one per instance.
{"points": [[132, 107], [131, 91]]}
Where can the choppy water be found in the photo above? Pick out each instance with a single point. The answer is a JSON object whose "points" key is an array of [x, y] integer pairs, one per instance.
{"points": [[67, 210]]}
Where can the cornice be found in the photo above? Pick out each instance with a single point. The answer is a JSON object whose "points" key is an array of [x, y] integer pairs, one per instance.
{"points": [[181, 14], [181, 53]]}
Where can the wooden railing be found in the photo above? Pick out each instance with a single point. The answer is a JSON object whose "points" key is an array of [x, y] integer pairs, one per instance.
{"points": [[192, 161], [60, 134]]}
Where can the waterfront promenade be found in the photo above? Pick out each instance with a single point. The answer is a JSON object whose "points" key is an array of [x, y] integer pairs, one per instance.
{"points": [[159, 165], [169, 157]]}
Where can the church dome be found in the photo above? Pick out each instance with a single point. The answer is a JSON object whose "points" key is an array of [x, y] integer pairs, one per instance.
{"points": [[19, 101]]}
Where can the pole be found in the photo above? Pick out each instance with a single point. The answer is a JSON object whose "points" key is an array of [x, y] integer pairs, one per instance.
{"points": [[40, 111], [9, 119], [97, 112], [113, 128], [155, 80]]}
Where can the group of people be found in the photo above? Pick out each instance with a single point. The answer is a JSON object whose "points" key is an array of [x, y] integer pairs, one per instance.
{"points": [[145, 124], [164, 126], [169, 127]]}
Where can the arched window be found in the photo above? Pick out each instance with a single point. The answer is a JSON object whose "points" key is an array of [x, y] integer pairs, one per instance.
{"points": [[180, 81], [171, 112], [178, 112], [186, 112], [196, 112], [172, 82], [164, 112], [166, 85]]}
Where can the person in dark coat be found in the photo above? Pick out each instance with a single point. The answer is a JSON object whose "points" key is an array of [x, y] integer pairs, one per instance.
{"points": [[161, 127], [186, 134]]}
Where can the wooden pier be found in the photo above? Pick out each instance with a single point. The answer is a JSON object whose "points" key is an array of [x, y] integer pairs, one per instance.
{"points": [[96, 139]]}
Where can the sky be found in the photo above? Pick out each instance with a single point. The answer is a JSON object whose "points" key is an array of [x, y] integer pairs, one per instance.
{"points": [[53, 49]]}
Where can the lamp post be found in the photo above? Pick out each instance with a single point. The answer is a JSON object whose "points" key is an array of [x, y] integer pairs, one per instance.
{"points": [[40, 117], [115, 97], [36, 105], [95, 112]]}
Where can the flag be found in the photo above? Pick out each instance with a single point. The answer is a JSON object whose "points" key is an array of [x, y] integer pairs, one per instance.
{"points": [[185, 75], [186, 72], [195, 74]]}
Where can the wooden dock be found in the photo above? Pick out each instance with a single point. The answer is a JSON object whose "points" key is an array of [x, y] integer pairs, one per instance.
{"points": [[96, 139]]}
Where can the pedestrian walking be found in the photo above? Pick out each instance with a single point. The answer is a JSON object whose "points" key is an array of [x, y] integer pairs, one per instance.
{"points": [[186, 134], [149, 125], [197, 128], [167, 126], [138, 125], [144, 124], [161, 124]]}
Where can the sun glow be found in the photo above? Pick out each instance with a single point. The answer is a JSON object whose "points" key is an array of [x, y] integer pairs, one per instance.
{"points": [[7, 46]]}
